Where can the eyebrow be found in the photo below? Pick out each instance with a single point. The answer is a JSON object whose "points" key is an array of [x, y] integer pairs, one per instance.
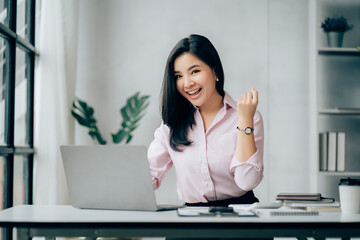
{"points": [[193, 66]]}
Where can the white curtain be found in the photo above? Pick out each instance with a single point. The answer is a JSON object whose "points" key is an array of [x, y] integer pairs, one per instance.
{"points": [[54, 92]]}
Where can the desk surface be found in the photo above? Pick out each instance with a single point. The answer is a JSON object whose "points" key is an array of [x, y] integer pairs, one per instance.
{"points": [[33, 220], [69, 214]]}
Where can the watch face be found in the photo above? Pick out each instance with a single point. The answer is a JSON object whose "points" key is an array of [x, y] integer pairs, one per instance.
{"points": [[247, 130]]}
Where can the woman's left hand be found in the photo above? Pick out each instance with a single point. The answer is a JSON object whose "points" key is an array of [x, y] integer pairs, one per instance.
{"points": [[246, 106]]}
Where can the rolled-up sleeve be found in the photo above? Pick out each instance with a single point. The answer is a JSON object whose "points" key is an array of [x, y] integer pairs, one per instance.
{"points": [[249, 174], [158, 156]]}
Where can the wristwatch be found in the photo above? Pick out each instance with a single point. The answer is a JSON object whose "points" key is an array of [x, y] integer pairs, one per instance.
{"points": [[246, 130]]}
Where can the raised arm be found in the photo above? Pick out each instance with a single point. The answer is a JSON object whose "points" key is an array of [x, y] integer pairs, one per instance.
{"points": [[247, 163]]}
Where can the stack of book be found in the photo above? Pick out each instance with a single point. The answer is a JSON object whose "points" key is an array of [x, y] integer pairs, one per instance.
{"points": [[332, 151], [309, 202]]}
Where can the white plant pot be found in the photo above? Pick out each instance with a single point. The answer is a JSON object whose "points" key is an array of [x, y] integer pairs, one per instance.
{"points": [[335, 39]]}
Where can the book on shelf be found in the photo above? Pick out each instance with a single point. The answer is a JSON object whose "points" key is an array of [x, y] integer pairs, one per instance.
{"points": [[332, 152], [323, 143], [340, 153], [340, 110], [352, 162]]}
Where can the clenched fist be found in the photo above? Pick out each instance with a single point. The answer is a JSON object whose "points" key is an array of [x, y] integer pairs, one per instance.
{"points": [[246, 107]]}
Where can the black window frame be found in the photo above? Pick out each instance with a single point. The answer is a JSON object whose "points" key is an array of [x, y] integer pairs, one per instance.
{"points": [[9, 150]]}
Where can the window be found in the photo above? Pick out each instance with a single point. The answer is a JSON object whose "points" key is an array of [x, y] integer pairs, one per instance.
{"points": [[17, 63]]}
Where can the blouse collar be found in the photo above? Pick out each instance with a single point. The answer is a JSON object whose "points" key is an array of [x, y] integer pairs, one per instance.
{"points": [[229, 102]]}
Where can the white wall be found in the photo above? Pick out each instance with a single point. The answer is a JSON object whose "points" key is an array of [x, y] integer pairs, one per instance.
{"points": [[124, 44], [288, 122]]}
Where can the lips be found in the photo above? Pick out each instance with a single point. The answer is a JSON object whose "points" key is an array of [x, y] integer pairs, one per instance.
{"points": [[192, 93]]}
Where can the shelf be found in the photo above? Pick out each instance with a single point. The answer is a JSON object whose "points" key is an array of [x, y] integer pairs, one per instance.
{"points": [[345, 174], [339, 51], [341, 111]]}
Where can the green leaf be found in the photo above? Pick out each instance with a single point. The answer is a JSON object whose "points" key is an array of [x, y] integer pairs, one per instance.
{"points": [[119, 136], [83, 113], [135, 96], [124, 114], [136, 120], [81, 120], [90, 111], [128, 139], [145, 97], [130, 106], [144, 107], [143, 100], [79, 105], [82, 104], [87, 109], [93, 121], [137, 99], [100, 139], [131, 128], [92, 134], [97, 136], [140, 106], [132, 113], [76, 107]]}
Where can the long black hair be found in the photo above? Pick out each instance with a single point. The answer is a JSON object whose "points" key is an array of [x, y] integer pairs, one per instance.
{"points": [[177, 112]]}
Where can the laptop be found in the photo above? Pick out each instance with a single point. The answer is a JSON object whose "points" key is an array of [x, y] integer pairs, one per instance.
{"points": [[110, 177]]}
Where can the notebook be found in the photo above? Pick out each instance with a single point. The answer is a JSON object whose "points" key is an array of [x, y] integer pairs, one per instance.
{"points": [[109, 177], [298, 196], [285, 212]]}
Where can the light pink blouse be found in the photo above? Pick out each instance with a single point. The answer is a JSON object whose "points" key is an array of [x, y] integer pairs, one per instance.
{"points": [[208, 169]]}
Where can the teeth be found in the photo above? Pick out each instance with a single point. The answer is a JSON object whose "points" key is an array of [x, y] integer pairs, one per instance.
{"points": [[193, 92]]}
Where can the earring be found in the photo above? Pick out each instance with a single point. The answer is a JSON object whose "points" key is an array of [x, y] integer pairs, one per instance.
{"points": [[217, 79]]}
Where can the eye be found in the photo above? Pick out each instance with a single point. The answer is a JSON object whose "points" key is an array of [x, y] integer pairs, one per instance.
{"points": [[177, 77], [195, 71]]}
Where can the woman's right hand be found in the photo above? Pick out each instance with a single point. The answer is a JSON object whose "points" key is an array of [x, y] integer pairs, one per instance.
{"points": [[246, 107]]}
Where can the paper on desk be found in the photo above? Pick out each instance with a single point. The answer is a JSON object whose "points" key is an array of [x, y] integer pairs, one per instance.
{"points": [[243, 207], [193, 211], [204, 211], [312, 204], [256, 205]]}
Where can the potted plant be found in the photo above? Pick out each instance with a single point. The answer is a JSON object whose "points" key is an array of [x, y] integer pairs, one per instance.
{"points": [[132, 113], [335, 28]]}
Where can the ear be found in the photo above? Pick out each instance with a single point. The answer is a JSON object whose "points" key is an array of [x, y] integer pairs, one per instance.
{"points": [[216, 77]]}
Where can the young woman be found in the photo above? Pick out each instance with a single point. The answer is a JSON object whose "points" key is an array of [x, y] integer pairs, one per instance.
{"points": [[215, 144]]}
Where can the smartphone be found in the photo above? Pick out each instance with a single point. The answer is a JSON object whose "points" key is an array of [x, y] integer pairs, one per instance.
{"points": [[220, 209]]}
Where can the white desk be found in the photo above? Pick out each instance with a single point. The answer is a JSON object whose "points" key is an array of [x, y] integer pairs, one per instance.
{"points": [[66, 221]]}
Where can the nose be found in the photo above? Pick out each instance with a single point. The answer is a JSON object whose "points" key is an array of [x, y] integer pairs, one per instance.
{"points": [[188, 82]]}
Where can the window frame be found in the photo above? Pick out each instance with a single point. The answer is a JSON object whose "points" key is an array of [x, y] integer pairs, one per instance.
{"points": [[9, 150]]}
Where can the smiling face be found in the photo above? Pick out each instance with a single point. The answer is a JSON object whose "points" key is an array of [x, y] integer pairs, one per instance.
{"points": [[195, 80]]}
